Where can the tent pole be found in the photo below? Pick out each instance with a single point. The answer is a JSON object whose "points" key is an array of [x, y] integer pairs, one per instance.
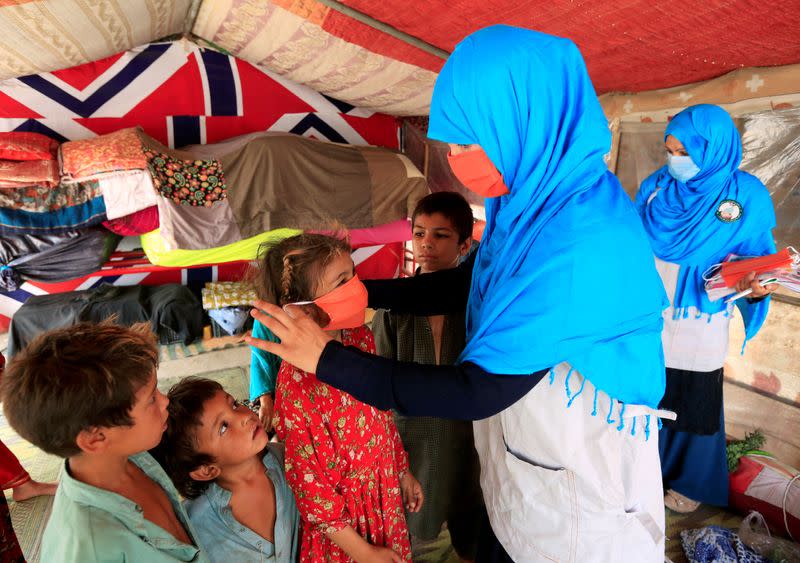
{"points": [[385, 28], [616, 133], [191, 16]]}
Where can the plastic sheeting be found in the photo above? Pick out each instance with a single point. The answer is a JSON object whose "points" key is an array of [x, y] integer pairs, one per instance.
{"points": [[771, 152], [53, 258], [771, 143], [641, 152]]}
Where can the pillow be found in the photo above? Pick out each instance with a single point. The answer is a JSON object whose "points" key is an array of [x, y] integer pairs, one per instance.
{"points": [[120, 150], [22, 145]]}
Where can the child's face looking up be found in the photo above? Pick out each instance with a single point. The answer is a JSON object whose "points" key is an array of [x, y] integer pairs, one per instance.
{"points": [[435, 243], [229, 431], [338, 272]]}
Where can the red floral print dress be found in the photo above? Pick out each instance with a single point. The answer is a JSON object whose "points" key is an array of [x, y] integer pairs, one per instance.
{"points": [[343, 460]]}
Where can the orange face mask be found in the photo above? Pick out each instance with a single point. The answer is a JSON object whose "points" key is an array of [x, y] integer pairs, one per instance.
{"points": [[735, 270], [345, 306], [475, 170]]}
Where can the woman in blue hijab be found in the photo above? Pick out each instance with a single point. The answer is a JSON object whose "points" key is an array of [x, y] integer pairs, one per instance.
{"points": [[565, 369], [697, 210]]}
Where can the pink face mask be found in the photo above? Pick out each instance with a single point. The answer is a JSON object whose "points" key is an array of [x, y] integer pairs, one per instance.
{"points": [[345, 306]]}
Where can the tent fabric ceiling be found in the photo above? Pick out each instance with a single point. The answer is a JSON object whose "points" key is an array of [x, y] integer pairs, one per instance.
{"points": [[290, 38], [740, 91], [45, 35], [629, 45]]}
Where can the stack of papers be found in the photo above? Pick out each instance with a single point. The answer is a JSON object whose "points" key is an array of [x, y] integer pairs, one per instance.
{"points": [[782, 268]]}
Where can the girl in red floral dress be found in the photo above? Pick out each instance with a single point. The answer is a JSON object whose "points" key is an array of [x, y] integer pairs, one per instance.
{"points": [[344, 459]]}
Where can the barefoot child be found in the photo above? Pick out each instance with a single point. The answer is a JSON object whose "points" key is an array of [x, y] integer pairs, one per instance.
{"points": [[88, 393], [220, 458], [344, 459]]}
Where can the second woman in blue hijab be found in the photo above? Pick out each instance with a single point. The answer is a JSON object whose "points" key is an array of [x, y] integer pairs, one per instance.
{"points": [[697, 210]]}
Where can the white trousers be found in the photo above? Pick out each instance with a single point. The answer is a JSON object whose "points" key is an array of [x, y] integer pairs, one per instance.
{"points": [[562, 484]]}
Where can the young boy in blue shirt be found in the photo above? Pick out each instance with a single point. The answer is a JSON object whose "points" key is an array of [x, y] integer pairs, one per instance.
{"points": [[218, 454], [88, 393]]}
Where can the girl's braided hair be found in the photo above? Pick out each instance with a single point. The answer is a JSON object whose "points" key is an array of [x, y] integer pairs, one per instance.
{"points": [[290, 270]]}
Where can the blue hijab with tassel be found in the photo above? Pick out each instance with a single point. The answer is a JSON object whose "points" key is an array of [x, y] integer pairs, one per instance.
{"points": [[719, 211], [564, 271]]}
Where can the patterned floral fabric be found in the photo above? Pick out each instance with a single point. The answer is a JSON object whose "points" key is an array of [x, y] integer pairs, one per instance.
{"points": [[718, 545], [309, 52], [343, 460], [121, 150], [42, 198], [217, 295], [12, 473], [17, 174], [20, 145], [47, 35], [198, 183], [10, 551]]}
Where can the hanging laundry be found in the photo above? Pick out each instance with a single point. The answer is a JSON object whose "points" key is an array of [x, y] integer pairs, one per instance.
{"points": [[270, 181], [291, 181], [195, 228], [126, 194]]}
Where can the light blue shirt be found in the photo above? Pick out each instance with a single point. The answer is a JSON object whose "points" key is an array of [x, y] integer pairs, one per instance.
{"points": [[89, 524], [225, 539]]}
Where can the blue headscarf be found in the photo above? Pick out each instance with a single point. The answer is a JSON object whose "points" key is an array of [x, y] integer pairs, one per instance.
{"points": [[564, 271], [685, 223]]}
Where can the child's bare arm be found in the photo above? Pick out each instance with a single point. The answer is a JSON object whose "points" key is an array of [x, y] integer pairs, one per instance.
{"points": [[266, 408], [413, 497], [360, 550]]}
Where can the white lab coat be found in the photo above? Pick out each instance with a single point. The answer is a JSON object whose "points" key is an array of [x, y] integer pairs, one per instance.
{"points": [[563, 485], [698, 342]]}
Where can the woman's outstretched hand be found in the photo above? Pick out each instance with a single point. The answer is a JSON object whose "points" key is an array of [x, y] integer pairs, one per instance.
{"points": [[301, 338]]}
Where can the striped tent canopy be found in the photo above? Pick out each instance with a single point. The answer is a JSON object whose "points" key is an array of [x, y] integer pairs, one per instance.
{"points": [[384, 55]]}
